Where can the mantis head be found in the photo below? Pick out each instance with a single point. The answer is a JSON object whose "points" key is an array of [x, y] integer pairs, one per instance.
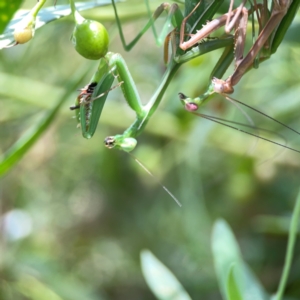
{"points": [[193, 104], [120, 142]]}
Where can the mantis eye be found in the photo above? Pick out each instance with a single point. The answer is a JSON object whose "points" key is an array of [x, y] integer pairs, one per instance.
{"points": [[90, 39], [119, 142], [109, 142]]}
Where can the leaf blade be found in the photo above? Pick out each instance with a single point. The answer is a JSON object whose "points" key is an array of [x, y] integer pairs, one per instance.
{"points": [[226, 253], [159, 278], [8, 9], [27, 140]]}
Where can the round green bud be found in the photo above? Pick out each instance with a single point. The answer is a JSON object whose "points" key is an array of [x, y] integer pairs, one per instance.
{"points": [[90, 39]]}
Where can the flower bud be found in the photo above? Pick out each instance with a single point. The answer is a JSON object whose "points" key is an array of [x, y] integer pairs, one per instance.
{"points": [[24, 30]]}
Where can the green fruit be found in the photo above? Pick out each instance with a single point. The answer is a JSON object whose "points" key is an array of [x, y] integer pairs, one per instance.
{"points": [[90, 39]]}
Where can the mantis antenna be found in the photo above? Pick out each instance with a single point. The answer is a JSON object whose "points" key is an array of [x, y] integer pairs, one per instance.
{"points": [[157, 181]]}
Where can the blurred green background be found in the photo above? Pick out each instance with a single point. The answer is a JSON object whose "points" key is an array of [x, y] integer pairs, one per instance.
{"points": [[75, 215]]}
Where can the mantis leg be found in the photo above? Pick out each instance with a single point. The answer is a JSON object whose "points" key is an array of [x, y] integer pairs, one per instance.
{"points": [[111, 67], [229, 20], [282, 16], [196, 16], [92, 97], [279, 10], [126, 141], [88, 111], [193, 104], [231, 23]]}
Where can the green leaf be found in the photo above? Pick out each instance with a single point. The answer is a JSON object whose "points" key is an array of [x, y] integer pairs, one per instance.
{"points": [[161, 281], [45, 16], [7, 10], [226, 253], [17, 151], [290, 249], [232, 287], [284, 25], [34, 289]]}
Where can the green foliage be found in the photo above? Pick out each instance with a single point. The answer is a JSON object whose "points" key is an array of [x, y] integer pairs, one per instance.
{"points": [[233, 292], [16, 151], [8, 9], [160, 280], [235, 278]]}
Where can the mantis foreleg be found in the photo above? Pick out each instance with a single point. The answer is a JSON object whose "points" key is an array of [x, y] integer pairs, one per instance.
{"points": [[280, 10], [126, 141]]}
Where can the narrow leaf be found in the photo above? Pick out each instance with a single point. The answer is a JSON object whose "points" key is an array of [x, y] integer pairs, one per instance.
{"points": [[290, 249], [232, 287], [159, 278], [226, 253], [34, 289], [17, 151]]}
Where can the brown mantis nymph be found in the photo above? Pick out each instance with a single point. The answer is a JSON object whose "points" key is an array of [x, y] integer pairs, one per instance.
{"points": [[237, 19]]}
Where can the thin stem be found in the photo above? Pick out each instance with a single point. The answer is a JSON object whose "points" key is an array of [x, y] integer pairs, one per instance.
{"points": [[37, 7], [290, 249], [137, 127], [174, 12], [150, 16], [76, 15], [73, 8]]}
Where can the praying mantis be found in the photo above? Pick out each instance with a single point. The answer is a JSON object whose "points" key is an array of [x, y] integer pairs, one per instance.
{"points": [[192, 28], [112, 66], [281, 17]]}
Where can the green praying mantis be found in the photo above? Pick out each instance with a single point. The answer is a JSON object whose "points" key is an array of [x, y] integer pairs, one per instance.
{"points": [[191, 27]]}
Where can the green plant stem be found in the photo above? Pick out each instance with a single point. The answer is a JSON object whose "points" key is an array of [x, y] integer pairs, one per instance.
{"points": [[76, 15], [73, 8], [37, 7], [290, 249]]}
